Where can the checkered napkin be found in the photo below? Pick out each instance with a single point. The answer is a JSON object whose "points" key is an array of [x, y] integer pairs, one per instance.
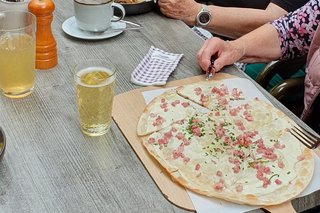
{"points": [[155, 67]]}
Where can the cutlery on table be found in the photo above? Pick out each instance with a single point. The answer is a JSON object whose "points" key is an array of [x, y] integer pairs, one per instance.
{"points": [[210, 72], [308, 139]]}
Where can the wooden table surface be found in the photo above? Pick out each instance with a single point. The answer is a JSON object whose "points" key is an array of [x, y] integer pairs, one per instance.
{"points": [[50, 166]]}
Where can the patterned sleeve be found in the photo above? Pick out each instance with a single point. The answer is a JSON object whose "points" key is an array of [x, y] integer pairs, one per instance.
{"points": [[296, 29]]}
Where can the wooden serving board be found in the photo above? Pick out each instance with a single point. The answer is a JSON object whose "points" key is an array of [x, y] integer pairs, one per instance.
{"points": [[127, 108]]}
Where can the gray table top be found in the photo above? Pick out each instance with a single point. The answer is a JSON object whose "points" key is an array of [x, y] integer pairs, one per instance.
{"points": [[50, 166]]}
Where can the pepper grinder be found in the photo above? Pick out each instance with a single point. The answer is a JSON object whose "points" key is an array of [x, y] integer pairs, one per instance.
{"points": [[46, 46]]}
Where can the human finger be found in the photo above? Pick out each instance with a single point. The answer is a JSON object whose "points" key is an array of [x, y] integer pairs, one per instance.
{"points": [[209, 48]]}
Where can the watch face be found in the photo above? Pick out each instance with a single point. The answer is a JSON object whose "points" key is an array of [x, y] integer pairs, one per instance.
{"points": [[204, 18]]}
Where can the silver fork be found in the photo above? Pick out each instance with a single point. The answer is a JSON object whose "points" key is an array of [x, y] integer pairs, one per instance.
{"points": [[309, 139]]}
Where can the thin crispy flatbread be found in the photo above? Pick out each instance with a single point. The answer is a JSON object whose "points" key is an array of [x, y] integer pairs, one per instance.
{"points": [[243, 154]]}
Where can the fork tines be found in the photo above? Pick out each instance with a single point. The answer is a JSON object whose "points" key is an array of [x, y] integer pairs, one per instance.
{"points": [[307, 138]]}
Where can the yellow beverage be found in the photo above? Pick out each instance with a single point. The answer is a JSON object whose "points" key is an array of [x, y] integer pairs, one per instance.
{"points": [[95, 87], [17, 64]]}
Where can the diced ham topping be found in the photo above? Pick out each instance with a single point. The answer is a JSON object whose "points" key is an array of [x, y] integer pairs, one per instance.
{"points": [[185, 104], [219, 186], [277, 145], [247, 116], [163, 141], [222, 91], [239, 153], [280, 164], [196, 120], [220, 132], [180, 121], [236, 94], [246, 106], [233, 112], [236, 169], [177, 153], [197, 167], [219, 173], [168, 135], [223, 102], [163, 105], [186, 141], [239, 188], [278, 182], [162, 100], [243, 140], [268, 153], [198, 91], [196, 131], [174, 103], [186, 160], [204, 98], [151, 140], [240, 125], [266, 182], [158, 121], [180, 135], [227, 140]]}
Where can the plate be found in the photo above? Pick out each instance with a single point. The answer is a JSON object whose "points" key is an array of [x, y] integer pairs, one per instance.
{"points": [[71, 28], [138, 8]]}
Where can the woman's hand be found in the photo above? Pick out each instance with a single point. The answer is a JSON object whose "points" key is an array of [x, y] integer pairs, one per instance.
{"points": [[185, 10], [226, 52]]}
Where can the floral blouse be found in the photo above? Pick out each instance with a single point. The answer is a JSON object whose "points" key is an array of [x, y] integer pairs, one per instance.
{"points": [[296, 29]]}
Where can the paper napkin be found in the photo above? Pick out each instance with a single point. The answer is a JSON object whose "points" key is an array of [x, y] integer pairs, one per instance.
{"points": [[155, 67]]}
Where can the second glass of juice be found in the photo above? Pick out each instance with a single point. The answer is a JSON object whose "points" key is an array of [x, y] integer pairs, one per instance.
{"points": [[95, 83]]}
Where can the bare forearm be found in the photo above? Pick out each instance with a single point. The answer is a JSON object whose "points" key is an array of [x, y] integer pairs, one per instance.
{"points": [[235, 22], [261, 44]]}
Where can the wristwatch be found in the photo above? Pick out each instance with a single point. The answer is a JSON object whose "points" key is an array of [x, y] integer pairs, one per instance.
{"points": [[204, 16]]}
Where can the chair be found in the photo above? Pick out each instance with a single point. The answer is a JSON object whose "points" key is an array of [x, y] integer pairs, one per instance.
{"points": [[290, 91]]}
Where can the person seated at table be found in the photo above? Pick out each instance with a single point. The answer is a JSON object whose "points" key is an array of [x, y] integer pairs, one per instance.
{"points": [[287, 37], [232, 18]]}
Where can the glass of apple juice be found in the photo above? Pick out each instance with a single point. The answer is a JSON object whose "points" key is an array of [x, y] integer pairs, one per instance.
{"points": [[17, 53], [95, 83]]}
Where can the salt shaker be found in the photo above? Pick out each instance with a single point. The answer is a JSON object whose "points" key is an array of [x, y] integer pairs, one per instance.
{"points": [[46, 46]]}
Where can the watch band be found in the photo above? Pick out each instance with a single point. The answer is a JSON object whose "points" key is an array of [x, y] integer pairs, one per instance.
{"points": [[204, 16]]}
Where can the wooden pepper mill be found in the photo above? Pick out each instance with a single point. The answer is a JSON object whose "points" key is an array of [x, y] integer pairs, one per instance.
{"points": [[46, 46]]}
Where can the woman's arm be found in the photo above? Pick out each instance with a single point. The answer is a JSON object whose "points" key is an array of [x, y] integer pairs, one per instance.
{"points": [[231, 22], [287, 37], [261, 44]]}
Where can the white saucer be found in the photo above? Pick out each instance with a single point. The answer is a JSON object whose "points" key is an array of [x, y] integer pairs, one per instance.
{"points": [[70, 27]]}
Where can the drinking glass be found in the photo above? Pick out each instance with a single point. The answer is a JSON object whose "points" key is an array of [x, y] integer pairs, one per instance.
{"points": [[14, 5], [17, 53], [95, 83]]}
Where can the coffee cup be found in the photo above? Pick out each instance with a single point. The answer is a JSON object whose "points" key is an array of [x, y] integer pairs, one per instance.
{"points": [[96, 15]]}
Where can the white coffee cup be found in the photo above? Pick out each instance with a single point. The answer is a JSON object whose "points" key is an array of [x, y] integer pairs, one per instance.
{"points": [[96, 15]]}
